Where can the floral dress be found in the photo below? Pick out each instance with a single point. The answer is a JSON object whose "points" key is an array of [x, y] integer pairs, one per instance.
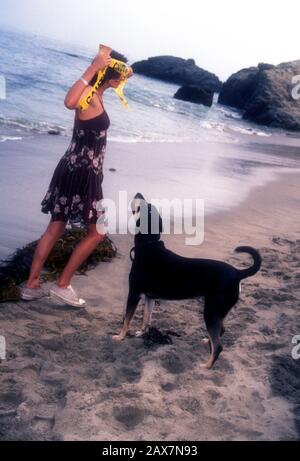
{"points": [[76, 184]]}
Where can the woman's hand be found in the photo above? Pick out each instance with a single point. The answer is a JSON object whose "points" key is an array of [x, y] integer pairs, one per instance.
{"points": [[130, 72], [101, 61]]}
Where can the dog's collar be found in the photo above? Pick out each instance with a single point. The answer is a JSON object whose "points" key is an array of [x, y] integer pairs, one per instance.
{"points": [[141, 245]]}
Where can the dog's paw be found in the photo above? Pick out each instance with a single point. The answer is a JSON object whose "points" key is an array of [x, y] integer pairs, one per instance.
{"points": [[118, 337], [139, 333], [206, 365]]}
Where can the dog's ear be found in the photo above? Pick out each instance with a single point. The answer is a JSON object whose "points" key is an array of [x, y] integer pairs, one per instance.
{"points": [[140, 196]]}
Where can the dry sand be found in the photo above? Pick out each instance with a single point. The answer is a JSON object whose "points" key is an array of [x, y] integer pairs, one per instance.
{"points": [[65, 379]]}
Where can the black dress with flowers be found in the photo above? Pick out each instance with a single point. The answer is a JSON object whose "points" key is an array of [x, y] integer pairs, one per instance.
{"points": [[76, 184]]}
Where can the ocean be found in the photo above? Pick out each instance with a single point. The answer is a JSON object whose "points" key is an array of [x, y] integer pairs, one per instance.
{"points": [[39, 71]]}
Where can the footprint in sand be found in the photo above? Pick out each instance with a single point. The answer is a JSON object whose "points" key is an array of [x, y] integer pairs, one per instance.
{"points": [[225, 366], [9, 403], [168, 387], [44, 418], [53, 374], [213, 396], [191, 405], [129, 416], [130, 375], [254, 403], [173, 364]]}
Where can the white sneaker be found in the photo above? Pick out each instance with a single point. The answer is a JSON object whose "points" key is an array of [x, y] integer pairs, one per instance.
{"points": [[29, 294], [68, 295]]}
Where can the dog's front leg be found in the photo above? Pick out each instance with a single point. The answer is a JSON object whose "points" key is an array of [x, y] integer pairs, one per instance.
{"points": [[132, 302], [149, 304]]}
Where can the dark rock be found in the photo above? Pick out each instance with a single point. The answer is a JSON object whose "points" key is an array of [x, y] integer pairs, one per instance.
{"points": [[239, 88], [264, 66], [56, 132], [195, 94], [264, 93], [178, 70]]}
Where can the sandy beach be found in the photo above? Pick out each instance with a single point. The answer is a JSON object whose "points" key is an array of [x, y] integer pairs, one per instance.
{"points": [[65, 379]]}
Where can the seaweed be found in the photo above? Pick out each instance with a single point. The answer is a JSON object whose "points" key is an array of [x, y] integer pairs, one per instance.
{"points": [[16, 268], [153, 336]]}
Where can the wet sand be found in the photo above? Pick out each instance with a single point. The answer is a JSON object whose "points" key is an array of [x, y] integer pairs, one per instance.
{"points": [[64, 378], [221, 174]]}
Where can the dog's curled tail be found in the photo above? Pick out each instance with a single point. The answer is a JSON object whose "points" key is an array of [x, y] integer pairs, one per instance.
{"points": [[257, 261]]}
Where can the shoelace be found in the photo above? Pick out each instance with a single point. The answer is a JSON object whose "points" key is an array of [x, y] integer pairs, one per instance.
{"points": [[73, 291]]}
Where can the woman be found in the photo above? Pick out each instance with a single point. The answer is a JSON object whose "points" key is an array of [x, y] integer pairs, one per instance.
{"points": [[75, 186]]}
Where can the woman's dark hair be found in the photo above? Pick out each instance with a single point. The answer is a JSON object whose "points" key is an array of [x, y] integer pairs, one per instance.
{"points": [[110, 73]]}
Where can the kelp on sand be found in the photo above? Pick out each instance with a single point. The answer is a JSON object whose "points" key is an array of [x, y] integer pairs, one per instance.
{"points": [[15, 269]]}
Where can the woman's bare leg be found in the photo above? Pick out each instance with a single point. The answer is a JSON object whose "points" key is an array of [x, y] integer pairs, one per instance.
{"points": [[81, 252], [47, 241]]}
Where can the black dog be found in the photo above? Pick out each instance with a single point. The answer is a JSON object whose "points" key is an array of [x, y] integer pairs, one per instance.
{"points": [[159, 273]]}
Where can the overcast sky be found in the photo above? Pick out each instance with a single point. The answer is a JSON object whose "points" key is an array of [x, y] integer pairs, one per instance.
{"points": [[222, 36]]}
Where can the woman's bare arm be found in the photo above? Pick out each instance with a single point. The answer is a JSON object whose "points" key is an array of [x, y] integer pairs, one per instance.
{"points": [[75, 92]]}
